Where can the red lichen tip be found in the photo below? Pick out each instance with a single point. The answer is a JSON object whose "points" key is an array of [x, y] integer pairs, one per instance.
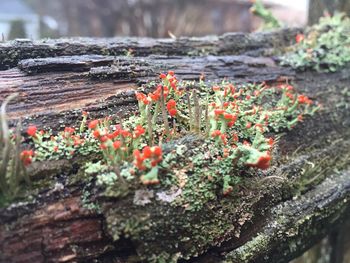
{"points": [[302, 99], [263, 162], [171, 104], [31, 131], [93, 124], [117, 144], [299, 38], [215, 133], [227, 191], [69, 130], [26, 157], [157, 151], [172, 112], [219, 112], [216, 88]]}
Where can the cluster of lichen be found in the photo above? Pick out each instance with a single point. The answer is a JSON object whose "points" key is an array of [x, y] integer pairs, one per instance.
{"points": [[63, 145], [158, 144], [324, 47]]}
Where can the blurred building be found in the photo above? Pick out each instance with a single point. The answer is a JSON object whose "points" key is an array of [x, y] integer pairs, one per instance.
{"points": [[17, 20], [151, 18]]}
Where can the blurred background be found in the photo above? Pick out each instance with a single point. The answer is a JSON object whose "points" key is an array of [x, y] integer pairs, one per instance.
{"points": [[153, 18]]}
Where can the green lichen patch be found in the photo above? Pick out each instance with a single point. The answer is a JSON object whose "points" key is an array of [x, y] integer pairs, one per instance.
{"points": [[324, 47], [185, 233], [184, 169], [231, 121]]}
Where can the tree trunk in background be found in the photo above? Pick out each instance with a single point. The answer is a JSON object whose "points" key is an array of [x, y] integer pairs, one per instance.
{"points": [[17, 30], [318, 8]]}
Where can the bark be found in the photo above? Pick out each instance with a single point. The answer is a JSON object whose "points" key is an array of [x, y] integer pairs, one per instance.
{"points": [[261, 223], [229, 44]]}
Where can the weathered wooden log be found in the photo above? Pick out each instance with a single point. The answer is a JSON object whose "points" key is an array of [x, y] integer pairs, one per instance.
{"points": [[273, 218], [232, 43]]}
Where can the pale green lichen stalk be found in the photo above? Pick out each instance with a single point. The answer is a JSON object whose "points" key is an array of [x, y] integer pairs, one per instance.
{"points": [[12, 160]]}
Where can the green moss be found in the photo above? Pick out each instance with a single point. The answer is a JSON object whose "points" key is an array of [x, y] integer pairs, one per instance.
{"points": [[183, 233], [127, 224], [250, 249], [164, 258], [202, 180], [86, 200], [331, 160]]}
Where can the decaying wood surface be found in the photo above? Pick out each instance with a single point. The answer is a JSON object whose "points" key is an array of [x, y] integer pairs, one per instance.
{"points": [[58, 79]]}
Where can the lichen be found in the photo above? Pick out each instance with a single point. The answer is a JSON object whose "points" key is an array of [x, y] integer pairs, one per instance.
{"points": [[202, 156], [324, 47]]}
